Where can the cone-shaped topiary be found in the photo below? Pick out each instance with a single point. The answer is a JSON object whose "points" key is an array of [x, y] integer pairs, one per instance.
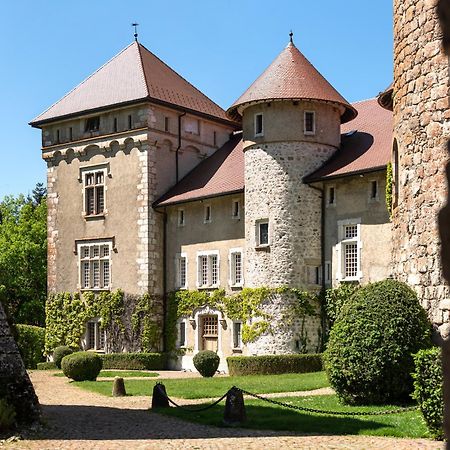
{"points": [[206, 362], [82, 366], [369, 354], [59, 353]]}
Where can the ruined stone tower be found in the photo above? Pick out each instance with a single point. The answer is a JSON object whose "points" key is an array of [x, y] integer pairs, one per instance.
{"points": [[291, 120], [421, 129]]}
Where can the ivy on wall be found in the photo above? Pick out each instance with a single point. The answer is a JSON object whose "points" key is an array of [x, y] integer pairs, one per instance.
{"points": [[389, 188], [246, 306], [67, 314]]}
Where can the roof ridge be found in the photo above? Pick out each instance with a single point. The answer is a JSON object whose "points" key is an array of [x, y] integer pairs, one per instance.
{"points": [[172, 70], [362, 101], [82, 82]]}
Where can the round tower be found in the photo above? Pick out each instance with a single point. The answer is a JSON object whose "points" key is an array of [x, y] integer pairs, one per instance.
{"points": [[291, 120]]}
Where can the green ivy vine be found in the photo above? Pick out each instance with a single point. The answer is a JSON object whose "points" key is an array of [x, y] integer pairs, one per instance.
{"points": [[389, 177], [245, 306]]}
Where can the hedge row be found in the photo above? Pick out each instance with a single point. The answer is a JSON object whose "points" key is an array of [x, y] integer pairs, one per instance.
{"points": [[49, 365], [134, 361], [428, 389], [31, 340], [274, 364]]}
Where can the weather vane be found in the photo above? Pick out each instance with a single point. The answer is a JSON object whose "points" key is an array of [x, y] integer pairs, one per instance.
{"points": [[291, 35], [135, 25]]}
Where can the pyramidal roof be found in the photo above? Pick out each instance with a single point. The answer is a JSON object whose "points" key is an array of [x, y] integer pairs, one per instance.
{"points": [[133, 75], [292, 76]]}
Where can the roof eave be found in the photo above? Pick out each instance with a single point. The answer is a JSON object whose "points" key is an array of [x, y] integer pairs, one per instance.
{"points": [[164, 203], [311, 179]]}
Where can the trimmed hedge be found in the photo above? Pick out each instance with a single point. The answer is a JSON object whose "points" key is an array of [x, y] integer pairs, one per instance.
{"points": [[369, 353], [134, 361], [82, 366], [428, 389], [31, 341], [49, 365], [59, 353], [274, 364], [206, 362]]}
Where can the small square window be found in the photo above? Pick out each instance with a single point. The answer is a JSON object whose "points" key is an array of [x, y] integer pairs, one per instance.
{"points": [[235, 209], [259, 125], [262, 231], [309, 122], [92, 124], [207, 217], [181, 218]]}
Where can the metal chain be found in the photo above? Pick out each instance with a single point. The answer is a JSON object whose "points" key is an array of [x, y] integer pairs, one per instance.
{"points": [[327, 412], [203, 408]]}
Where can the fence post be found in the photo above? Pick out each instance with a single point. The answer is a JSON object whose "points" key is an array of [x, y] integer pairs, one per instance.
{"points": [[159, 397], [234, 413]]}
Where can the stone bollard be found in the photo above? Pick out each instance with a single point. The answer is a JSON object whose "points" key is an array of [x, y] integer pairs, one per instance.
{"points": [[234, 413], [159, 398], [118, 389]]}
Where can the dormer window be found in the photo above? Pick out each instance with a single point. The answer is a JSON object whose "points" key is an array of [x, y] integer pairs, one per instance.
{"points": [[259, 125], [309, 122], [92, 124]]}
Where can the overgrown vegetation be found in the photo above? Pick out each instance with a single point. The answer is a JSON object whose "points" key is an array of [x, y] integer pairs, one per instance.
{"points": [[336, 297], [428, 389], [369, 354], [389, 178], [23, 256], [82, 366], [246, 306], [206, 362], [274, 364], [30, 340]]}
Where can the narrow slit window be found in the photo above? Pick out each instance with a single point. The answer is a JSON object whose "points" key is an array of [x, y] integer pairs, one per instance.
{"points": [[182, 334], [259, 125], [207, 214], [263, 233], [235, 211], [58, 136], [237, 334], [331, 196], [130, 122], [181, 218], [115, 127], [374, 190], [215, 139], [166, 124], [309, 122], [70, 134]]}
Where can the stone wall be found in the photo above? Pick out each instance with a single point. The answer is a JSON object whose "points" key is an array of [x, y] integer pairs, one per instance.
{"points": [[421, 128], [15, 385]]}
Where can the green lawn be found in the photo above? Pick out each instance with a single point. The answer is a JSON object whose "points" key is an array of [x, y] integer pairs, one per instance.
{"points": [[192, 388], [119, 373], [262, 415]]}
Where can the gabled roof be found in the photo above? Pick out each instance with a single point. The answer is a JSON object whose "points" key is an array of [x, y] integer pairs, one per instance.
{"points": [[366, 144], [133, 75], [292, 76], [222, 173]]}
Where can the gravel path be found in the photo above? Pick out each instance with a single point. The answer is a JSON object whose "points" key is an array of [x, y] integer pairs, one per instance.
{"points": [[80, 420]]}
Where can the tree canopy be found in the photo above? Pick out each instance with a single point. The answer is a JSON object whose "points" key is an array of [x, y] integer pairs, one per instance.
{"points": [[23, 256]]}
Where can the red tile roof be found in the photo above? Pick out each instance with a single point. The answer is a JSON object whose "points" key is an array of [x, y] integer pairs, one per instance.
{"points": [[367, 149], [292, 76], [133, 75], [222, 173]]}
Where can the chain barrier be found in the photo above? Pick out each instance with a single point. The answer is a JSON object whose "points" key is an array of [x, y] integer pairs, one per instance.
{"points": [[203, 408], [327, 412]]}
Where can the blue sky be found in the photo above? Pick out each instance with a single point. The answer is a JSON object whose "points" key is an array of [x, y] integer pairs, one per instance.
{"points": [[49, 46]]}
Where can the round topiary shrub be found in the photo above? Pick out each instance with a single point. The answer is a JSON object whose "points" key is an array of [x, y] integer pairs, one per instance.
{"points": [[59, 353], [206, 362], [82, 366], [368, 358]]}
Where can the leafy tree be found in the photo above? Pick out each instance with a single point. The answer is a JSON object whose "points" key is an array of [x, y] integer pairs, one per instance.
{"points": [[23, 257]]}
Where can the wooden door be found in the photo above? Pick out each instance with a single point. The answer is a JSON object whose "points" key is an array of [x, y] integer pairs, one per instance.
{"points": [[210, 333]]}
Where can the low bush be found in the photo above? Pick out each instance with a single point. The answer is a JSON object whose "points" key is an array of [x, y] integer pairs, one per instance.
{"points": [[206, 362], [82, 366], [369, 353], [134, 361], [49, 365], [59, 353], [31, 341], [274, 364], [7, 416], [428, 389]]}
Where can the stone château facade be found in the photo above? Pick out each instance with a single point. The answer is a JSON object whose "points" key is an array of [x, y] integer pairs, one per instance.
{"points": [[153, 188]]}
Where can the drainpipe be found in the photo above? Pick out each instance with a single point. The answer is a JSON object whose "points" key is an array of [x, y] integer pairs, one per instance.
{"points": [[164, 217], [178, 147]]}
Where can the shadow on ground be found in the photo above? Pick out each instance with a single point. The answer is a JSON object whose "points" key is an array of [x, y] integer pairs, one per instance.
{"points": [[79, 422]]}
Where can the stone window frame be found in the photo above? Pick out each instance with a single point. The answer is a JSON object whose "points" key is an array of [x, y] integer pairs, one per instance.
{"points": [[235, 201], [82, 258], [341, 246], [83, 173], [178, 270], [232, 267], [98, 334], [313, 131], [209, 254], [258, 224], [207, 213], [236, 338], [255, 124], [331, 199]]}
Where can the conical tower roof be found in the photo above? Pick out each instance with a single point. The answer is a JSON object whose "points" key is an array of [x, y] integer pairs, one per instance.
{"points": [[291, 76], [133, 75]]}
